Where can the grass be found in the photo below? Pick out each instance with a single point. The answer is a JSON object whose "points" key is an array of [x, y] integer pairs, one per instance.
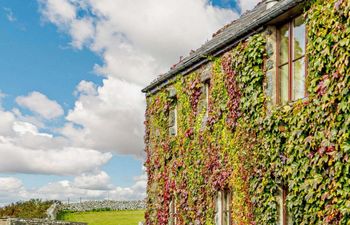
{"points": [[106, 217]]}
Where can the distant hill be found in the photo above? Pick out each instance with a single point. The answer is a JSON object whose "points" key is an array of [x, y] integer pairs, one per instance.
{"points": [[34, 208]]}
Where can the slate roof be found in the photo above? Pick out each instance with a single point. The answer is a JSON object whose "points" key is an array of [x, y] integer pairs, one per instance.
{"points": [[249, 23]]}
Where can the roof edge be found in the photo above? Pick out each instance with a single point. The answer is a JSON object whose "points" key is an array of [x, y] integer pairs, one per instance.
{"points": [[198, 60]]}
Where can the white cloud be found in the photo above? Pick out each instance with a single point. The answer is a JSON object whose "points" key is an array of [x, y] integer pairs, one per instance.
{"points": [[111, 120], [12, 189], [24, 149], [58, 11], [137, 41], [66, 189], [40, 104], [32, 119], [23, 128], [10, 184], [82, 30], [97, 181], [135, 192], [9, 14], [65, 161], [138, 47], [86, 88], [248, 4], [6, 123]]}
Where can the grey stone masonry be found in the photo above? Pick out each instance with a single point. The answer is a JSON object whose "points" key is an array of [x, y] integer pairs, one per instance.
{"points": [[100, 205], [52, 211], [16, 221], [270, 83]]}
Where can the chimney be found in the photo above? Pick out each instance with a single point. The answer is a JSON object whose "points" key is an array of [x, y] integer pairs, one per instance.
{"points": [[270, 3]]}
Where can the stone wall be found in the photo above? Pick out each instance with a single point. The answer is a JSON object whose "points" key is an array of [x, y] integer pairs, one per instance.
{"points": [[52, 211], [15, 221], [271, 50], [101, 205]]}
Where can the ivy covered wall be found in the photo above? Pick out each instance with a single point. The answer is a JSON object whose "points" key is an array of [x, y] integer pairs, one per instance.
{"points": [[241, 145]]}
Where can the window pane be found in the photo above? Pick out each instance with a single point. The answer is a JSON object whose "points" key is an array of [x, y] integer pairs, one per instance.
{"points": [[299, 37], [224, 200], [299, 79], [217, 222], [203, 104], [284, 87], [171, 213], [228, 201], [172, 121], [225, 219], [218, 209], [284, 46], [207, 97], [172, 117]]}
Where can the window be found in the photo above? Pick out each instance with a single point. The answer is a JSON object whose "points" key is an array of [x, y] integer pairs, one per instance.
{"points": [[283, 216], [204, 101], [223, 209], [206, 95], [291, 61], [172, 212], [205, 98], [173, 120]]}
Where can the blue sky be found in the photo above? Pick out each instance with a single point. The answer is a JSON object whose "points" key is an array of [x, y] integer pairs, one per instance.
{"points": [[234, 5], [70, 83], [36, 57], [33, 49]]}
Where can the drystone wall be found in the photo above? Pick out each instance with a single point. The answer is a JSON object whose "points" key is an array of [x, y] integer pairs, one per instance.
{"points": [[14, 221], [101, 205]]}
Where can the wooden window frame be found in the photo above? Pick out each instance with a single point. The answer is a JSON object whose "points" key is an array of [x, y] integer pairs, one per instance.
{"points": [[206, 84], [283, 192], [290, 61], [284, 206], [172, 212], [224, 193], [226, 209], [204, 101], [207, 88]]}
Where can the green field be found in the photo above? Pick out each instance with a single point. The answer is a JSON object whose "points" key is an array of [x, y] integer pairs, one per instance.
{"points": [[106, 217]]}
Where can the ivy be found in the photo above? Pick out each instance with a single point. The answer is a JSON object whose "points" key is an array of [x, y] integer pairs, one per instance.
{"points": [[304, 145]]}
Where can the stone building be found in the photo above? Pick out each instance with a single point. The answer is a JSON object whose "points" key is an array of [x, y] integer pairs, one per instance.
{"points": [[254, 126]]}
